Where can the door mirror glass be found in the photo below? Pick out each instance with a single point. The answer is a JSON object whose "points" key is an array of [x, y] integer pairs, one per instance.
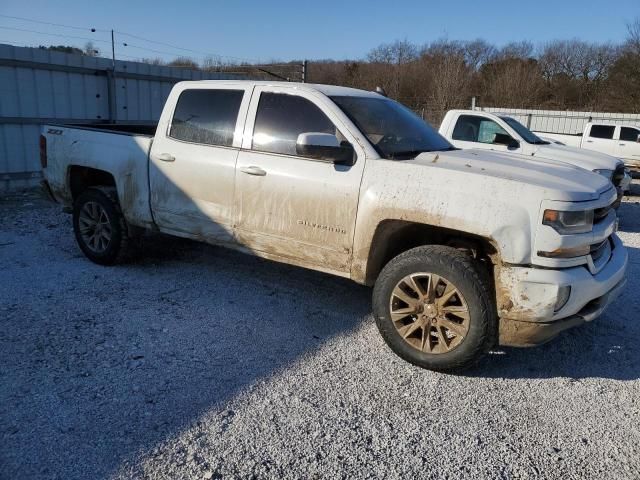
{"points": [[324, 146], [505, 139]]}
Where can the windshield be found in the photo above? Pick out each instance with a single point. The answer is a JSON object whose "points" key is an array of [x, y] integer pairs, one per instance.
{"points": [[395, 131], [524, 132]]}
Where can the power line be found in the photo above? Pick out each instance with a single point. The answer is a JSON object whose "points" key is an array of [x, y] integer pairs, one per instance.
{"points": [[162, 52], [54, 34], [199, 52], [54, 24]]}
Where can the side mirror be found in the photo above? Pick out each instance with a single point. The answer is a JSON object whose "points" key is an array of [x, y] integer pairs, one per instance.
{"points": [[638, 139], [507, 140], [324, 146]]}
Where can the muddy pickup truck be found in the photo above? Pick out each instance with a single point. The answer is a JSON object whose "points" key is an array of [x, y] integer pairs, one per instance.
{"points": [[466, 249]]}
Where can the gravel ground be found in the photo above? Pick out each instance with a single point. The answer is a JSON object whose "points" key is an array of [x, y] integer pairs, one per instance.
{"points": [[197, 362]]}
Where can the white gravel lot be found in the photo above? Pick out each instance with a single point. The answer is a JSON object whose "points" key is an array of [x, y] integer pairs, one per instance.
{"points": [[197, 362]]}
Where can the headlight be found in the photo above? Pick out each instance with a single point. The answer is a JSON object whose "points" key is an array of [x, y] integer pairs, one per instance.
{"points": [[608, 174], [566, 223]]}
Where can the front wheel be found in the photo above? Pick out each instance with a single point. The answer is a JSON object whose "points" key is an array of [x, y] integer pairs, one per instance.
{"points": [[99, 226], [434, 308]]}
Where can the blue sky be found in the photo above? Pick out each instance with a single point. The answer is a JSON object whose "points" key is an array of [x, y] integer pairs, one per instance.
{"points": [[284, 30]]}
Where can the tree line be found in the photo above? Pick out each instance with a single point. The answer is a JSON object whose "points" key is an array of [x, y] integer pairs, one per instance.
{"points": [[445, 74]]}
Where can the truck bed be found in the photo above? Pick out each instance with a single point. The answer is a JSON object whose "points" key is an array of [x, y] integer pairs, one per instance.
{"points": [[120, 150], [120, 128]]}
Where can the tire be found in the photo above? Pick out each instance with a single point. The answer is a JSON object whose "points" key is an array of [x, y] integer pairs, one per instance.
{"points": [[105, 201], [441, 343]]}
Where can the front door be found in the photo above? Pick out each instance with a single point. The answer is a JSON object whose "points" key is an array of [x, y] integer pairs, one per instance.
{"points": [[288, 205], [193, 159]]}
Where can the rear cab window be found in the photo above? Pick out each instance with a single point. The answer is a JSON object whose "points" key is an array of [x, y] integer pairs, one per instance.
{"points": [[602, 131], [206, 116]]}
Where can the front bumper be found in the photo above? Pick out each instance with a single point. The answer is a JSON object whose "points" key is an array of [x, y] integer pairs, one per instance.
{"points": [[527, 308]]}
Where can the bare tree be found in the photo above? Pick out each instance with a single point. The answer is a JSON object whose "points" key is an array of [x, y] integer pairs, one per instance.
{"points": [[633, 40], [183, 62], [391, 58]]}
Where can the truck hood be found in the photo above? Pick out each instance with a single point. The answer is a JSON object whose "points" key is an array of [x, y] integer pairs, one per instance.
{"points": [[561, 181], [581, 158]]}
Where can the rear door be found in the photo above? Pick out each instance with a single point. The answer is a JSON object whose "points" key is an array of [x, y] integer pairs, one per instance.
{"points": [[628, 146], [193, 159], [288, 205], [600, 139]]}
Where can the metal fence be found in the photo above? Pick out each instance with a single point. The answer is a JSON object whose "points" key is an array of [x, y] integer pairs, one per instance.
{"points": [[558, 121], [40, 86]]}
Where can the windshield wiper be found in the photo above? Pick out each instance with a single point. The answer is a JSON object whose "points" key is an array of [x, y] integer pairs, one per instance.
{"points": [[407, 154], [411, 154]]}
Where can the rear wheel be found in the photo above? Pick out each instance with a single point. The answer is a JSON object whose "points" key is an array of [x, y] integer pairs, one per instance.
{"points": [[434, 308], [100, 227]]}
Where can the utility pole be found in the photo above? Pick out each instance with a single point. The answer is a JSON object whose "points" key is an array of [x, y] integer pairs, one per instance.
{"points": [[113, 52], [304, 71], [111, 84]]}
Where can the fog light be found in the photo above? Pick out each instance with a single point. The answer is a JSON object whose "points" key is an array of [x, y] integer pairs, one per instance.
{"points": [[563, 297]]}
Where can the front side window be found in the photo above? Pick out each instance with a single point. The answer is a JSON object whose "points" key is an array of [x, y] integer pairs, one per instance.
{"points": [[628, 134], [282, 117], [471, 128], [206, 116], [602, 131]]}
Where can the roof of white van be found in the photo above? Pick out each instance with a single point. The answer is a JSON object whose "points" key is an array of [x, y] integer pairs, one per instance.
{"points": [[326, 89]]}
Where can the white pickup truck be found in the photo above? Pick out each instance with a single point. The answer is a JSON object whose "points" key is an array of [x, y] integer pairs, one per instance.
{"points": [[488, 131], [622, 141], [465, 249]]}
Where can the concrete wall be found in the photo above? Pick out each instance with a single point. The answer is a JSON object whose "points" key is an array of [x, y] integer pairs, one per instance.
{"points": [[40, 86], [558, 121]]}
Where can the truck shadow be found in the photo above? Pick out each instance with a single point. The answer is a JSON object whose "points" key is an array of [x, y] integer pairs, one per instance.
{"points": [[120, 359]]}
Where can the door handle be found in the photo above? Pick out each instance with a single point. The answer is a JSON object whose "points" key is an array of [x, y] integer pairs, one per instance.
{"points": [[589, 141], [166, 157], [622, 144], [253, 170]]}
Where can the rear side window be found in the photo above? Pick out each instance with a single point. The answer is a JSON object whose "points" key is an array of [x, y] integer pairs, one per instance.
{"points": [[206, 116], [282, 117], [629, 134], [470, 128], [602, 131]]}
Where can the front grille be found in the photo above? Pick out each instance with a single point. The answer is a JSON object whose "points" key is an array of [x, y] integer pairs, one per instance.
{"points": [[598, 249], [618, 175], [600, 214], [600, 255]]}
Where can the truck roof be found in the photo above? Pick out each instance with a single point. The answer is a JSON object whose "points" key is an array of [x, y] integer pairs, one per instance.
{"points": [[328, 90]]}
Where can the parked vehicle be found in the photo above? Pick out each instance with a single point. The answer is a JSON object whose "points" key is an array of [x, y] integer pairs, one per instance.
{"points": [[622, 141], [465, 249], [477, 129]]}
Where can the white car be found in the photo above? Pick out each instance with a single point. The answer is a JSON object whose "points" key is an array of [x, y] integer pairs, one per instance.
{"points": [[621, 141], [476, 129]]}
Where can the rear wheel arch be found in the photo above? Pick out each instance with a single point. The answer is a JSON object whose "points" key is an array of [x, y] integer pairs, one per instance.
{"points": [[80, 178]]}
